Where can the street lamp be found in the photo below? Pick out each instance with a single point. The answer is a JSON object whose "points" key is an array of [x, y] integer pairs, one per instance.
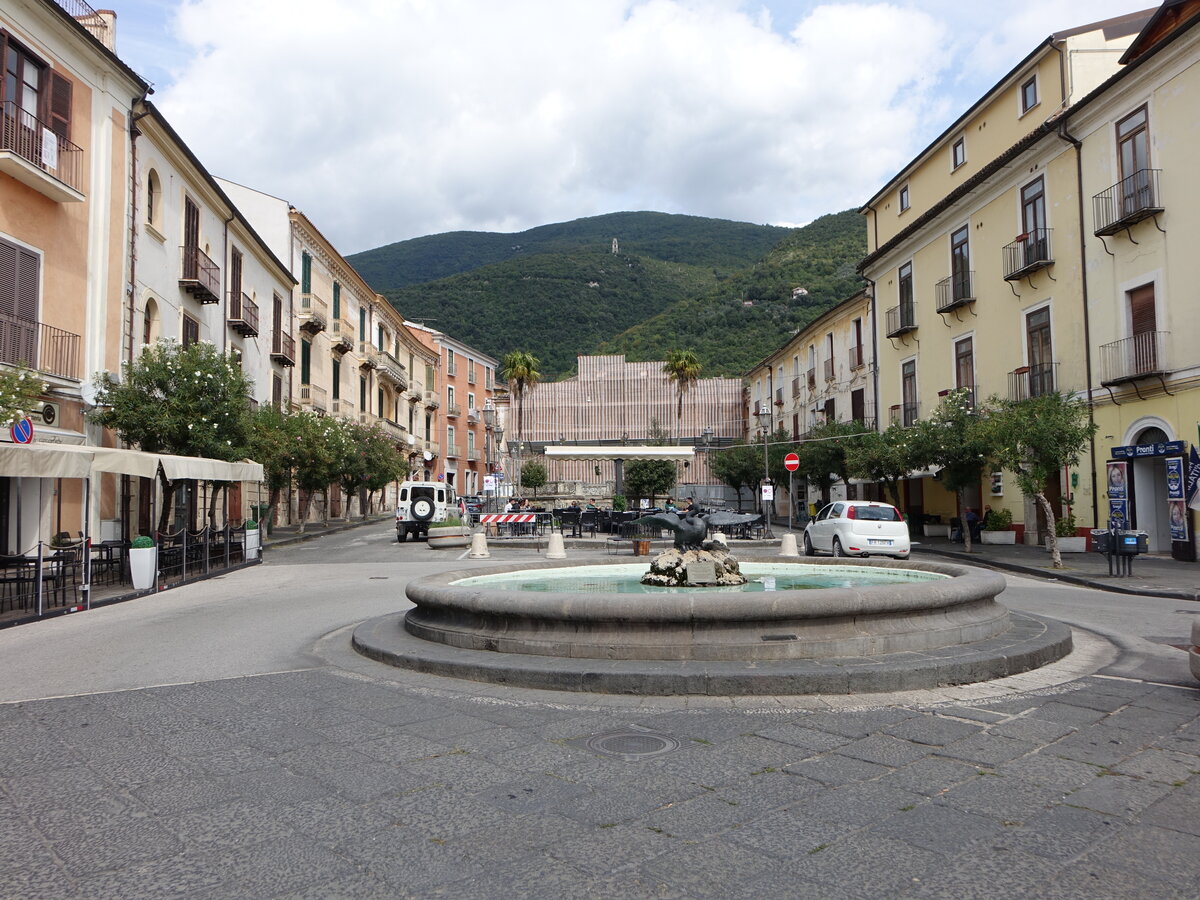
{"points": [[765, 420], [489, 425]]}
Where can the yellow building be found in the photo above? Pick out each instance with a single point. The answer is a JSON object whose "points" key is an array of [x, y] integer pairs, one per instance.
{"points": [[976, 260]]}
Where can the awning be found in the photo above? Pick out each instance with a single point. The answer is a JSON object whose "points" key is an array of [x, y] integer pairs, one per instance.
{"points": [[70, 461], [635, 451]]}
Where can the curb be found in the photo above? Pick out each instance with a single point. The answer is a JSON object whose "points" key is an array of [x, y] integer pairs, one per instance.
{"points": [[332, 529]]}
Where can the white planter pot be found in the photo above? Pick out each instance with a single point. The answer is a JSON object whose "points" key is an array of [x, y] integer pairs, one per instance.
{"points": [[932, 530], [998, 537], [1072, 544], [143, 567], [253, 542], [448, 537]]}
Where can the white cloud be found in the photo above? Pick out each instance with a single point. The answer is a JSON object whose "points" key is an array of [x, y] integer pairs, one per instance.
{"points": [[388, 119]]}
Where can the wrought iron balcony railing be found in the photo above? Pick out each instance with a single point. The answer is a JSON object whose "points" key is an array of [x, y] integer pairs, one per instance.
{"points": [[901, 319], [1032, 381], [283, 349], [797, 383], [452, 451], [906, 414], [472, 455], [39, 346], [452, 369], [1141, 356], [33, 154], [243, 314], [453, 410], [829, 369], [972, 394], [201, 277], [856, 357], [954, 291], [812, 379], [1127, 202], [1028, 253]]}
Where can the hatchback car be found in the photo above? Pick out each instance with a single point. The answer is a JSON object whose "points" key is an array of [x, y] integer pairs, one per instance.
{"points": [[858, 528]]}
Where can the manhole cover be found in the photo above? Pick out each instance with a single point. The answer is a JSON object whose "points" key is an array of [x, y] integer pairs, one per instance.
{"points": [[630, 745]]}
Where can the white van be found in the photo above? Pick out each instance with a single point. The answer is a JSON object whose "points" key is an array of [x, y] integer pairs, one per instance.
{"points": [[421, 504]]}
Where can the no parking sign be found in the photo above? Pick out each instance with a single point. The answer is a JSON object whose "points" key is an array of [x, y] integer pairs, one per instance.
{"points": [[22, 431]]}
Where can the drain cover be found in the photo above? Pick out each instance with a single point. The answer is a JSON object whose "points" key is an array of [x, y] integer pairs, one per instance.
{"points": [[630, 745]]}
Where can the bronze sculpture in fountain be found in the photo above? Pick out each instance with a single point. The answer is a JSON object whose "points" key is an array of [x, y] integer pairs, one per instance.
{"points": [[693, 560]]}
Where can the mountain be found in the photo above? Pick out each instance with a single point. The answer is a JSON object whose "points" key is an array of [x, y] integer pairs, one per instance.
{"points": [[691, 240], [748, 315]]}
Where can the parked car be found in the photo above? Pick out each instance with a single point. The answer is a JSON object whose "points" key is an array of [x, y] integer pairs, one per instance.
{"points": [[419, 505], [858, 528], [474, 507]]}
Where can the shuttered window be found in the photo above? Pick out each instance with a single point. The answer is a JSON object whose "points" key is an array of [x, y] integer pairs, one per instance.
{"points": [[1141, 310], [276, 390], [60, 106], [191, 330], [19, 270], [305, 362], [305, 273]]}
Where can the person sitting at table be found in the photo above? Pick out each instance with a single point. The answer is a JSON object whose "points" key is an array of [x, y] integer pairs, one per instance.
{"points": [[574, 507], [670, 506]]}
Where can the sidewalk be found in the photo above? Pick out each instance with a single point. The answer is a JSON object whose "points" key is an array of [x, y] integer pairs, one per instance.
{"points": [[282, 535]]}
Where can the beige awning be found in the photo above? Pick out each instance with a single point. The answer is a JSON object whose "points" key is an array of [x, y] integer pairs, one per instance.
{"points": [[622, 451], [70, 461]]}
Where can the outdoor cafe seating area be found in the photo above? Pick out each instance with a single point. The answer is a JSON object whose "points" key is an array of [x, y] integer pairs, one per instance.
{"points": [[578, 522]]}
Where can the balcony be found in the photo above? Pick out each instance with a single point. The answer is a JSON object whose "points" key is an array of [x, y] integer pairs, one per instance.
{"points": [[1127, 202], [812, 379], [1032, 381], [779, 396], [41, 347], [393, 430], [391, 369], [452, 451], [341, 333], [1028, 253], [972, 394], [829, 370], [452, 369], [453, 410], [313, 397], [201, 277], [856, 357], [906, 414], [1133, 358], [283, 349], [955, 291], [472, 455], [366, 418], [901, 320], [472, 416], [368, 356], [433, 447], [797, 383], [314, 313], [432, 399], [471, 374], [243, 314], [342, 407], [34, 155]]}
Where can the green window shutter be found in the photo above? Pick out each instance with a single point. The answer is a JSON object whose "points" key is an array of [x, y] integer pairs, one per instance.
{"points": [[362, 323], [305, 273], [305, 362], [337, 300], [337, 379]]}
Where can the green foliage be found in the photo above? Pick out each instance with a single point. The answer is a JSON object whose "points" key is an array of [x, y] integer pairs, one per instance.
{"points": [[682, 369], [999, 520], [824, 455], [739, 467], [141, 542], [656, 435], [190, 401], [649, 478], [252, 525], [533, 475], [885, 457], [270, 446], [520, 369], [619, 503], [383, 463], [1065, 527], [690, 240], [20, 389], [957, 438], [1037, 437]]}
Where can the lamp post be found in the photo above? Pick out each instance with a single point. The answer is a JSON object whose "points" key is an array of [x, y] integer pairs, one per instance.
{"points": [[765, 421], [489, 425]]}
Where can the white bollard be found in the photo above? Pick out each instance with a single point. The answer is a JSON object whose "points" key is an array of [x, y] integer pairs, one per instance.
{"points": [[721, 538], [479, 547], [788, 547], [556, 549]]}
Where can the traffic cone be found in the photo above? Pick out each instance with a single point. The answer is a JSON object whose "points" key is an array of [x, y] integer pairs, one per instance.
{"points": [[479, 547], [788, 547], [556, 549]]}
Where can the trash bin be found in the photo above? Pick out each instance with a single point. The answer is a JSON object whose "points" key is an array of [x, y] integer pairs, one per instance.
{"points": [[1102, 540], [1131, 543]]}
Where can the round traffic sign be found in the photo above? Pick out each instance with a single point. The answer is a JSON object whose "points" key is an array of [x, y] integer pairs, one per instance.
{"points": [[791, 462], [22, 431]]}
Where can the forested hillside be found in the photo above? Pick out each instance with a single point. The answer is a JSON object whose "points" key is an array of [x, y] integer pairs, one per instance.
{"points": [[735, 324], [692, 240], [556, 305]]}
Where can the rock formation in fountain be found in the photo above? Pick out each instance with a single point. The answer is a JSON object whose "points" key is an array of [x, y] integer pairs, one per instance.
{"points": [[671, 567]]}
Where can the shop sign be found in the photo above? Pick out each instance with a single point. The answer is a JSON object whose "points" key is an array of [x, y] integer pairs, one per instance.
{"points": [[1139, 451]]}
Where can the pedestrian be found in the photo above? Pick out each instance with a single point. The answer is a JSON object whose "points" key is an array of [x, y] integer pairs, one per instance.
{"points": [[972, 519]]}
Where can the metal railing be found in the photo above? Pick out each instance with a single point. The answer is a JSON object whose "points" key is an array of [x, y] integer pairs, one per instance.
{"points": [[1032, 381], [35, 142], [1028, 253], [472, 454], [283, 348], [452, 451], [340, 406], [856, 357], [314, 312], [901, 319], [453, 410], [797, 383], [812, 379], [393, 429], [200, 275], [1134, 357], [243, 314], [906, 414], [829, 370], [39, 346], [1127, 202], [955, 290], [87, 17], [313, 396], [452, 369]]}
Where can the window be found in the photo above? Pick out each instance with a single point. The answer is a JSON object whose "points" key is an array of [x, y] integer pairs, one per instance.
{"points": [[336, 377], [305, 273], [906, 294], [1029, 94], [191, 330], [904, 198], [856, 350], [337, 301], [960, 263], [379, 343], [1133, 153], [306, 362], [470, 400], [428, 427], [153, 199], [1041, 365], [450, 396], [380, 408], [1143, 324], [362, 323], [964, 365], [958, 153], [235, 274], [19, 279], [148, 323], [451, 434], [362, 394], [908, 384], [276, 390], [858, 405]]}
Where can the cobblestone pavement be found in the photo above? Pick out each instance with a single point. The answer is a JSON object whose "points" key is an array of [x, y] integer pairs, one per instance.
{"points": [[362, 781]]}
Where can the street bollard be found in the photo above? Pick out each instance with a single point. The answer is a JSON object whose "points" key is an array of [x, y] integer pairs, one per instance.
{"points": [[721, 538], [479, 547], [788, 546], [556, 549]]}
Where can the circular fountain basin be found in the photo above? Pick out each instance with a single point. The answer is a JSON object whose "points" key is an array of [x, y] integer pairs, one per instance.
{"points": [[827, 626]]}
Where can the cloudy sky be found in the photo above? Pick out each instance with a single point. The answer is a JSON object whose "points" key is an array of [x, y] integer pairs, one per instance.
{"points": [[390, 119]]}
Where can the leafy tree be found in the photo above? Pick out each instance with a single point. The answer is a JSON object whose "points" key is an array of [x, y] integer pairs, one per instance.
{"points": [[649, 478], [315, 445], [958, 439], [20, 390], [739, 467], [823, 454], [384, 463], [270, 447], [533, 475], [682, 369], [884, 457], [1035, 439], [187, 401], [520, 369]]}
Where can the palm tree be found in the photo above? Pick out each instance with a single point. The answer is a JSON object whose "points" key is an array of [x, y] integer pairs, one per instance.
{"points": [[519, 369], [683, 368]]}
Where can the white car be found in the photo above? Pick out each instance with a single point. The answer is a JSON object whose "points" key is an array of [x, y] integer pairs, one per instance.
{"points": [[419, 505], [858, 528]]}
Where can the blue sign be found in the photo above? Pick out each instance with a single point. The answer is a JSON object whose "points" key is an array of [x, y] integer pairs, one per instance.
{"points": [[1139, 451], [1175, 479], [22, 431]]}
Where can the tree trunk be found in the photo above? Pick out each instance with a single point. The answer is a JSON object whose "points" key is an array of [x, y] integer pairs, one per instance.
{"points": [[325, 507], [966, 526], [272, 502], [168, 497], [893, 488], [212, 504], [1051, 530], [305, 502]]}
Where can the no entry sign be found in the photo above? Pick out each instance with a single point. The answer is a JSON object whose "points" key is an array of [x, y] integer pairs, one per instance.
{"points": [[791, 462]]}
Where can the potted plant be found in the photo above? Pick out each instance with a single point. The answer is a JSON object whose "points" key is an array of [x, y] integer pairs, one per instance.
{"points": [[448, 534], [1068, 540], [253, 539], [143, 562], [619, 503], [999, 528], [934, 527]]}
